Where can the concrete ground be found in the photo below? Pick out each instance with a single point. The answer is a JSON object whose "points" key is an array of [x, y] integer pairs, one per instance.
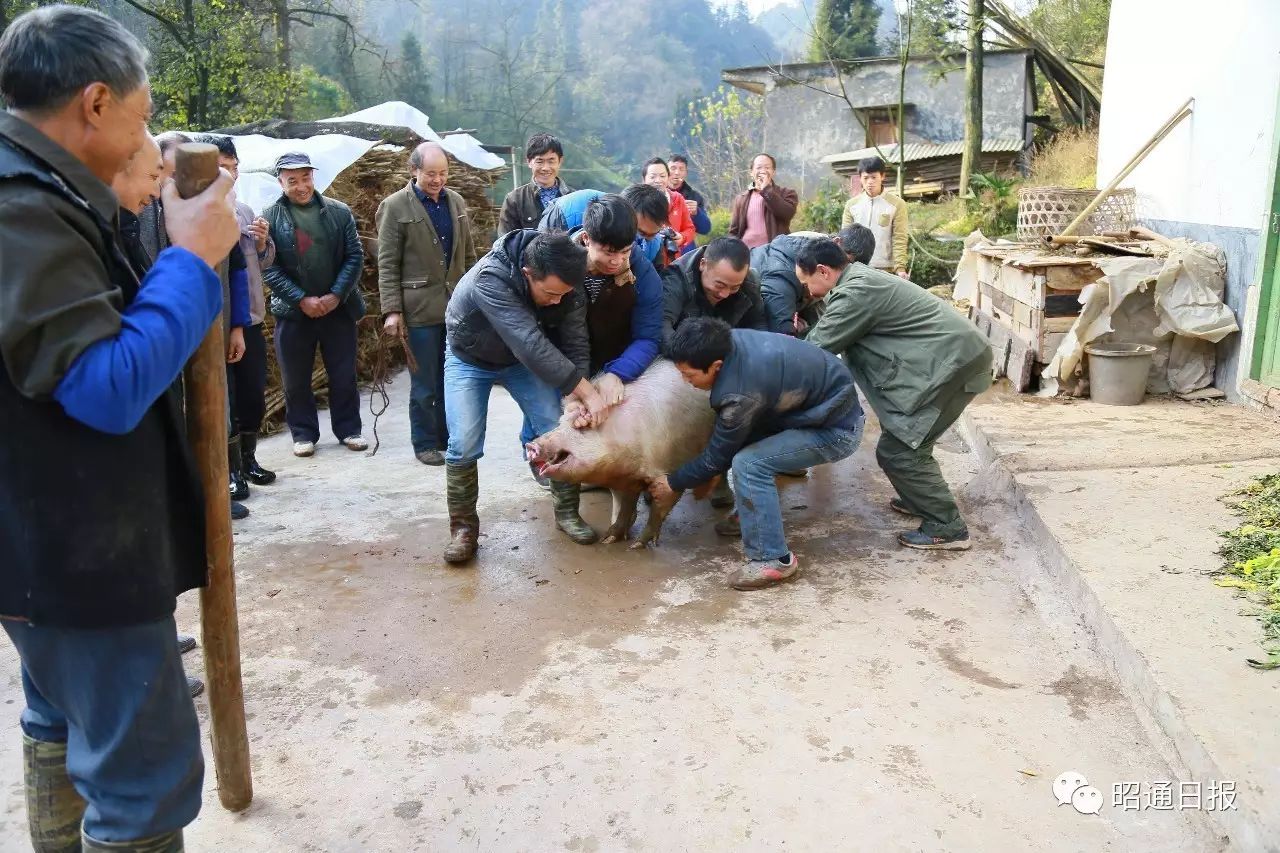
{"points": [[555, 697], [1127, 503]]}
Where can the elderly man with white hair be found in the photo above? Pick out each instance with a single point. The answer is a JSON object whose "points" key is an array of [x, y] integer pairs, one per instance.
{"points": [[424, 247]]}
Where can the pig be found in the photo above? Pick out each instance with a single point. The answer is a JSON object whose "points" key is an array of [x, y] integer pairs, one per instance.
{"points": [[661, 423]]}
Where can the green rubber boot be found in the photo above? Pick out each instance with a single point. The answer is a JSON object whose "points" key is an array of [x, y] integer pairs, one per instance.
{"points": [[462, 489], [54, 807], [567, 518], [169, 842]]}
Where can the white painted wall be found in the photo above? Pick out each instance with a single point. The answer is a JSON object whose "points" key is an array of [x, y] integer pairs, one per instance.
{"points": [[1213, 168]]}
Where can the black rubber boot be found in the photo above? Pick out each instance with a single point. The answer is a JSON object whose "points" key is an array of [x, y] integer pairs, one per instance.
{"points": [[462, 489], [567, 518], [54, 807], [169, 842], [253, 472], [239, 488]]}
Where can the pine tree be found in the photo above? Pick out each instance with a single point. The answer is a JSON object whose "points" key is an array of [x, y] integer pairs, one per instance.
{"points": [[845, 29], [413, 85]]}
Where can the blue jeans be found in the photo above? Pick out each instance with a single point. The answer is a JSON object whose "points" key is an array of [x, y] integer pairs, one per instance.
{"points": [[118, 697], [755, 492], [466, 397], [427, 425]]}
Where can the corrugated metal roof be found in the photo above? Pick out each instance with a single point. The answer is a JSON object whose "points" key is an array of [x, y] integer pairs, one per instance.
{"points": [[913, 151]]}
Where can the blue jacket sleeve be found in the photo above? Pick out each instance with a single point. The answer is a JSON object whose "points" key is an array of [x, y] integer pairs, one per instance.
{"points": [[240, 298], [701, 221], [646, 322], [735, 419], [110, 385]]}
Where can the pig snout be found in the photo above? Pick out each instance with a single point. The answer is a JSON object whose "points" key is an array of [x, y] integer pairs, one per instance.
{"points": [[532, 452]]}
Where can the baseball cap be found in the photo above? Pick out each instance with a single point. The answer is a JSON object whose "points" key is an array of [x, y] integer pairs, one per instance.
{"points": [[292, 160]]}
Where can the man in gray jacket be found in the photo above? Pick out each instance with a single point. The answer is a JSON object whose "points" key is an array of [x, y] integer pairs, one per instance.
{"points": [[518, 319], [424, 247]]}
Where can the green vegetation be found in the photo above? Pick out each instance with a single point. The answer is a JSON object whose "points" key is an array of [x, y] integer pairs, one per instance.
{"points": [[845, 29], [823, 211], [1251, 560]]}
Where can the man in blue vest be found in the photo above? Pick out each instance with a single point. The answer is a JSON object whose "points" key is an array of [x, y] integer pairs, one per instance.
{"points": [[88, 355]]}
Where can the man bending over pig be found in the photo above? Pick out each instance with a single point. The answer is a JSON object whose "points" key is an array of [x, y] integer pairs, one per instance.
{"points": [[517, 318], [624, 311], [780, 405]]}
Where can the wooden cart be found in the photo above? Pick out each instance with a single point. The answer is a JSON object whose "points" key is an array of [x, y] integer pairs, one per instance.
{"points": [[1026, 301]]}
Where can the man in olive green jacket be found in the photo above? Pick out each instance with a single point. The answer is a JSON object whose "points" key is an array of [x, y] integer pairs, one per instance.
{"points": [[424, 247], [917, 360]]}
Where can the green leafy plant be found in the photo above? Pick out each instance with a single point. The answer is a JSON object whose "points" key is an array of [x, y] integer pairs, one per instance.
{"points": [[993, 207], [1251, 560], [823, 211]]}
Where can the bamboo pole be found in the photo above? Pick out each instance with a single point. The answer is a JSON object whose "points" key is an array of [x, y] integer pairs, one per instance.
{"points": [[206, 400], [1165, 130]]}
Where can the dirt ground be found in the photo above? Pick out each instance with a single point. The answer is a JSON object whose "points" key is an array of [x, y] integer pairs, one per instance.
{"points": [[556, 697]]}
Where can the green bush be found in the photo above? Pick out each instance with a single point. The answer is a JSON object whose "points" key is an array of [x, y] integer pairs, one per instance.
{"points": [[932, 262], [823, 211], [993, 207], [719, 224]]}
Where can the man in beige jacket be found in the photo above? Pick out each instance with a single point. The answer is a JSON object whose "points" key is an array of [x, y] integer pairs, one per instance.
{"points": [[883, 212], [424, 247]]}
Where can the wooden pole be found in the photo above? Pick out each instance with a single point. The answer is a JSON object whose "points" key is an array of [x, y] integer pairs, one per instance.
{"points": [[206, 401], [1165, 130], [972, 156]]}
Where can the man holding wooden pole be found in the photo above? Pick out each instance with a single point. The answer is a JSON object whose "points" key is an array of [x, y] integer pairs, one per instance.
{"points": [[103, 522]]}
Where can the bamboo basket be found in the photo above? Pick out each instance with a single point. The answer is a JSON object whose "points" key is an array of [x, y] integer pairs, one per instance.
{"points": [[1045, 211]]}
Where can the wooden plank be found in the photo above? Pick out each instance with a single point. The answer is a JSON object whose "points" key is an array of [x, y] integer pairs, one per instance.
{"points": [[1049, 344], [1058, 324], [1072, 277]]}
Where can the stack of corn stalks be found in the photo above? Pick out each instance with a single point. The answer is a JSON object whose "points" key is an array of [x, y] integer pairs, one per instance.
{"points": [[363, 185]]}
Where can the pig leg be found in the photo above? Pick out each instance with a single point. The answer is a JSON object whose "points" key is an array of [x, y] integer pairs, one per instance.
{"points": [[624, 516], [658, 512]]}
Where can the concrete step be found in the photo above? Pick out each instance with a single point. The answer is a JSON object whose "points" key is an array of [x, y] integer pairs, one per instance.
{"points": [[1126, 504]]}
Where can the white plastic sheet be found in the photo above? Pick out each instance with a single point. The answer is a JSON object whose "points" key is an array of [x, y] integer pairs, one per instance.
{"points": [[1174, 303], [464, 146], [331, 153]]}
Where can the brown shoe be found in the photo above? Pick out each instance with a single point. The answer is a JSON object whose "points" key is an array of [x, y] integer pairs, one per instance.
{"points": [[463, 546]]}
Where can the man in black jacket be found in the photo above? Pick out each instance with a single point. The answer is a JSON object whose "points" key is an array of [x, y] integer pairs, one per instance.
{"points": [[780, 404], [102, 521], [517, 318], [315, 297], [523, 206], [715, 280], [789, 307]]}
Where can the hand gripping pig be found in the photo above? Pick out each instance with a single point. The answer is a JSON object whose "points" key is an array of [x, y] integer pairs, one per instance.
{"points": [[661, 423]]}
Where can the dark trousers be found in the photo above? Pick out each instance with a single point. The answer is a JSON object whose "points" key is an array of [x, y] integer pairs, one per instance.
{"points": [[249, 377], [427, 426], [118, 698], [296, 342], [915, 474]]}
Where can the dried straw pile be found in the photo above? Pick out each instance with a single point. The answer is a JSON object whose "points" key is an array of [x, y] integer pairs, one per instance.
{"points": [[363, 185]]}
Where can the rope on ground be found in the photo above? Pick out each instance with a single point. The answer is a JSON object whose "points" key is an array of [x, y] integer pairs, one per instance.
{"points": [[922, 250], [378, 384]]}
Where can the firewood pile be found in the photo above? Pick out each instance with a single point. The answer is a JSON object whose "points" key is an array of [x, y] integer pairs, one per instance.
{"points": [[379, 173]]}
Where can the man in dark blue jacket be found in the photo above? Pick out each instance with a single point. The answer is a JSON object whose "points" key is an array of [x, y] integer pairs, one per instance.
{"points": [[315, 297], [624, 305], [102, 521], [780, 404], [517, 318]]}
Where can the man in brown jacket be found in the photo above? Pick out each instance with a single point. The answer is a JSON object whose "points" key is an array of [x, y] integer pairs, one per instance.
{"points": [[424, 247], [765, 210]]}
